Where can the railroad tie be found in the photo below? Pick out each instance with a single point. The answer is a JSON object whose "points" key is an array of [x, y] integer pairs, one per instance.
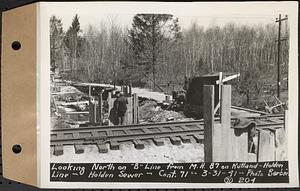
{"points": [[185, 128], [109, 133], [175, 128], [102, 147], [138, 144], [79, 149], [158, 142], [198, 138], [146, 130], [175, 140], [199, 126], [114, 145], [185, 139], [58, 150]]}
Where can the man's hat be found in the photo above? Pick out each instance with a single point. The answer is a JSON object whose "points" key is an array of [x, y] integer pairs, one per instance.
{"points": [[241, 123]]}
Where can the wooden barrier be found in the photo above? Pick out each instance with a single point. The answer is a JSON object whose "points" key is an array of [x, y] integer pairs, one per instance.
{"points": [[100, 110], [92, 111], [79, 116], [135, 109], [209, 125], [266, 146], [227, 132], [224, 143], [95, 110]]}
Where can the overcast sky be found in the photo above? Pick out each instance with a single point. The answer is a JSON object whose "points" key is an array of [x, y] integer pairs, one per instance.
{"points": [[204, 14], [125, 20]]}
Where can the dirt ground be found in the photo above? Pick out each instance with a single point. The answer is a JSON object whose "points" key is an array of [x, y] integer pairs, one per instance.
{"points": [[151, 112], [168, 153]]}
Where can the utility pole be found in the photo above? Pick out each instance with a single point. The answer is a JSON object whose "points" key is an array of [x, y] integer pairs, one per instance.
{"points": [[279, 20]]}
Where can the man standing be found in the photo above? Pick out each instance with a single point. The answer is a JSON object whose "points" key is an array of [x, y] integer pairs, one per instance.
{"points": [[121, 107]]}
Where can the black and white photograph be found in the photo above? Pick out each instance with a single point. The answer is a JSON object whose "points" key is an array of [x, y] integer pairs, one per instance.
{"points": [[169, 87]]}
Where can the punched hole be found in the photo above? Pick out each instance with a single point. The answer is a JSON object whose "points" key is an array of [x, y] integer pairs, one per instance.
{"points": [[16, 45], [17, 149]]}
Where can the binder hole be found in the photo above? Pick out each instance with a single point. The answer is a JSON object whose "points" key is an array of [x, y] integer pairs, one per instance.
{"points": [[17, 149], [16, 45]]}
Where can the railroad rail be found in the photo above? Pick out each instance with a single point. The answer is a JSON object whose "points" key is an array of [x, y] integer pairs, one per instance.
{"points": [[113, 136]]}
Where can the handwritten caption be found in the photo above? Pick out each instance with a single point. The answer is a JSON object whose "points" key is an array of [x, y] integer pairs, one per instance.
{"points": [[217, 172]]}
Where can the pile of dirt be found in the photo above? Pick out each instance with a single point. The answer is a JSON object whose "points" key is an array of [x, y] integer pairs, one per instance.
{"points": [[151, 112]]}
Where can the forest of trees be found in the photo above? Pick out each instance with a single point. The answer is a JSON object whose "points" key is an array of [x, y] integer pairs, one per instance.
{"points": [[156, 52]]}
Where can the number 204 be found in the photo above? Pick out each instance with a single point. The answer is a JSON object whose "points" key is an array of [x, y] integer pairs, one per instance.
{"points": [[246, 180]]}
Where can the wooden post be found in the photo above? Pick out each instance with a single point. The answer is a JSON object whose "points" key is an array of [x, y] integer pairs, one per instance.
{"points": [[130, 90], [227, 131], [90, 91], [129, 112], [266, 146], [125, 91], [168, 98], [208, 115], [91, 112], [99, 110], [135, 108], [110, 106], [285, 120]]}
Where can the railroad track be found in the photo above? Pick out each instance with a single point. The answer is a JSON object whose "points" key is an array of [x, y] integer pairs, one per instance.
{"points": [[110, 137]]}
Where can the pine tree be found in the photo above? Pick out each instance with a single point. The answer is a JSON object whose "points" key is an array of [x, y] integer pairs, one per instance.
{"points": [[149, 37], [73, 44]]}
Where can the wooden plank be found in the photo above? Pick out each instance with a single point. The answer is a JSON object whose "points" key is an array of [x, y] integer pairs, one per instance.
{"points": [[79, 149], [146, 130], [129, 112], [185, 139], [110, 107], [109, 133], [250, 110], [175, 140], [114, 145], [280, 145], [125, 90], [240, 150], [218, 145], [138, 144], [135, 108], [186, 128], [158, 141], [90, 91], [228, 135], [95, 112], [73, 103], [77, 112], [58, 150], [102, 148], [91, 112], [60, 135], [127, 131], [286, 121], [252, 157], [130, 90], [99, 118], [266, 146], [199, 139], [208, 115]]}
